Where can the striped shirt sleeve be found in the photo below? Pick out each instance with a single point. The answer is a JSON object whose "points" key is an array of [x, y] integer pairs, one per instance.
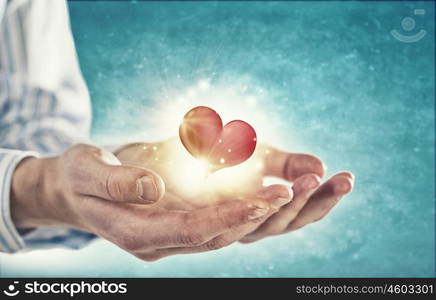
{"points": [[44, 105]]}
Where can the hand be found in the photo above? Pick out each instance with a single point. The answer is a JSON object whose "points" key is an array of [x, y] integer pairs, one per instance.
{"points": [[311, 199], [89, 189]]}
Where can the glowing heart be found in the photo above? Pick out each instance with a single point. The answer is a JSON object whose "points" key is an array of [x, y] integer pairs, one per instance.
{"points": [[203, 135]]}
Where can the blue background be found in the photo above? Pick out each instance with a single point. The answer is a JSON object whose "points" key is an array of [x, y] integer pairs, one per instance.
{"points": [[333, 75]]}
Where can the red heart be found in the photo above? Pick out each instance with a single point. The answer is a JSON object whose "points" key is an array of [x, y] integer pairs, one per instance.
{"points": [[203, 135]]}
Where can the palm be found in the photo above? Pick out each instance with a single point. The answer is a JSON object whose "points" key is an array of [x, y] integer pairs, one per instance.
{"points": [[188, 185], [188, 188]]}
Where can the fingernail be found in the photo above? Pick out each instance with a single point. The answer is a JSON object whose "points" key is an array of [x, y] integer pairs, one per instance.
{"points": [[311, 182], [146, 189], [280, 201], [343, 188], [258, 212]]}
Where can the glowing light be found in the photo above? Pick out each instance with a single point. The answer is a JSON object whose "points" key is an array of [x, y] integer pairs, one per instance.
{"points": [[203, 85], [154, 148], [156, 158], [193, 177], [251, 101], [220, 141], [203, 165], [145, 147], [192, 174], [267, 151], [229, 150], [191, 93], [259, 165]]}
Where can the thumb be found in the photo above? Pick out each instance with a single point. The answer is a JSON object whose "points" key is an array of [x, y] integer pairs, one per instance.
{"points": [[103, 176]]}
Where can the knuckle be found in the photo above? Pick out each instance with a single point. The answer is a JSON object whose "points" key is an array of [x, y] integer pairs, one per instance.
{"points": [[91, 149], [261, 220], [81, 148], [78, 148], [188, 234], [189, 238], [79, 153], [113, 187], [216, 244]]}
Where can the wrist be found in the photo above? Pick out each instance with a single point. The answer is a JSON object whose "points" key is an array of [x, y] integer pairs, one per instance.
{"points": [[30, 199]]}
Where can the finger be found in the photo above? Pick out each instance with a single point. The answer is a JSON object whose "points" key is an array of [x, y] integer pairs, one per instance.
{"points": [[277, 195], [325, 198], [304, 187], [346, 174], [194, 228], [99, 173], [139, 228], [290, 166]]}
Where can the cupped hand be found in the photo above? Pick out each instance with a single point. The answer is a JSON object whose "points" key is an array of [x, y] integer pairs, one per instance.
{"points": [[311, 199], [89, 189]]}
